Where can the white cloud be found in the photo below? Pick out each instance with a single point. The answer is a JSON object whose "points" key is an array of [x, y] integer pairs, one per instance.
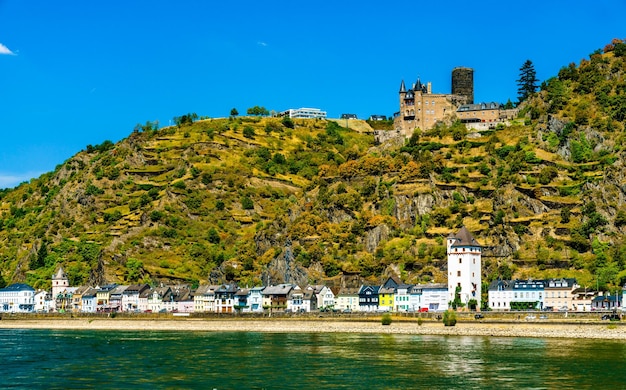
{"points": [[12, 180], [5, 50], [261, 43]]}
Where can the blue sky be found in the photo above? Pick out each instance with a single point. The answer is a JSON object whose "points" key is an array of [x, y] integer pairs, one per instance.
{"points": [[74, 73]]}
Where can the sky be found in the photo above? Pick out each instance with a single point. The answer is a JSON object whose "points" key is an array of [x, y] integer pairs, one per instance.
{"points": [[74, 73]]}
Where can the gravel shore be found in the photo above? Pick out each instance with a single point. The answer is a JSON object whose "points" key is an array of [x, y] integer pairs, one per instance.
{"points": [[605, 330]]}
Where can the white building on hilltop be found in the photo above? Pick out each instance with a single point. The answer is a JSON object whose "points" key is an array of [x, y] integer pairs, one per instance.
{"points": [[305, 113], [464, 266]]}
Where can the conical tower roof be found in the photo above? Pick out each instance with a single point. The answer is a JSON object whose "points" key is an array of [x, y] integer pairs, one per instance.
{"points": [[465, 238], [402, 87], [60, 274]]}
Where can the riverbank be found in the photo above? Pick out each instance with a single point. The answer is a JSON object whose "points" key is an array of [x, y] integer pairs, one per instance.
{"points": [[605, 330]]}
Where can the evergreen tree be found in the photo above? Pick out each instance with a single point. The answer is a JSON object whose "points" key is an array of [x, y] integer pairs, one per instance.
{"points": [[234, 112], [40, 260], [527, 82]]}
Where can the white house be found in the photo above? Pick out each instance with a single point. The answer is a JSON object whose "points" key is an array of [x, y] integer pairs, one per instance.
{"points": [[402, 298], [348, 299], [204, 299], [43, 303], [255, 300], [325, 296], [249, 300], [130, 297], [434, 296], [516, 294], [464, 266], [295, 300], [17, 298], [156, 298], [89, 301], [415, 298]]}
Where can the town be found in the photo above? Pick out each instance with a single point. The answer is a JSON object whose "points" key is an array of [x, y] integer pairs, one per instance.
{"points": [[462, 291]]}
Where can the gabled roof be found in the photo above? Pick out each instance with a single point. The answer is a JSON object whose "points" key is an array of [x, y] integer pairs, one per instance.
{"points": [[281, 289], [81, 290], [107, 288], [392, 281], [242, 293], [118, 290], [387, 290], [464, 238], [226, 288], [373, 289], [136, 288], [348, 291], [89, 293]]}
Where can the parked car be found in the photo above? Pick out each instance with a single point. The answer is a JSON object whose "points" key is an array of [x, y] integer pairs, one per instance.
{"points": [[479, 316], [423, 310], [611, 317]]}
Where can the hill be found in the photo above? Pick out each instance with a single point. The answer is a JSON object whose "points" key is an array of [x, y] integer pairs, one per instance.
{"points": [[260, 200]]}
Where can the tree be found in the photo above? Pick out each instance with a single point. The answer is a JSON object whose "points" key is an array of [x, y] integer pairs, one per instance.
{"points": [[40, 260], [248, 132], [527, 83], [258, 111], [234, 112]]}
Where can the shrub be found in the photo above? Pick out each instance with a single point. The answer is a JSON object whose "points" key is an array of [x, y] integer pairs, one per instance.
{"points": [[386, 319], [449, 318]]}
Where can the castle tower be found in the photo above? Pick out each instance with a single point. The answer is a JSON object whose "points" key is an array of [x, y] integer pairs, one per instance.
{"points": [[463, 83], [60, 283], [464, 266]]}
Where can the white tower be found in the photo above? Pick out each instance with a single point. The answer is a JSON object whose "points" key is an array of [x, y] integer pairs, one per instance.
{"points": [[60, 283], [464, 266]]}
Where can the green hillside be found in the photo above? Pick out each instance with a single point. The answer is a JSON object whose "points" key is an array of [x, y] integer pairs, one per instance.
{"points": [[260, 200]]}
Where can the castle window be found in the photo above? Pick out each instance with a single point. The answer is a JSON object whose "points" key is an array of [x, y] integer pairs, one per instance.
{"points": [[460, 260], [458, 273], [433, 103], [426, 102]]}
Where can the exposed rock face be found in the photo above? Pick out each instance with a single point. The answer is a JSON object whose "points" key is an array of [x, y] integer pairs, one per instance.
{"points": [[409, 208], [374, 236], [284, 269]]}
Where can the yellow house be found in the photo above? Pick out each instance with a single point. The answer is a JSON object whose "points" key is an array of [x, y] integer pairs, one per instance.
{"points": [[386, 299], [386, 294]]}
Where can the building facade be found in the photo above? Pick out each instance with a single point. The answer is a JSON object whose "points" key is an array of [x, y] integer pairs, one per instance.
{"points": [[464, 266], [304, 113], [17, 298]]}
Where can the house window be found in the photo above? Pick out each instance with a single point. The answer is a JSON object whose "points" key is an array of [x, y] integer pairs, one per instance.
{"points": [[458, 273], [460, 260]]}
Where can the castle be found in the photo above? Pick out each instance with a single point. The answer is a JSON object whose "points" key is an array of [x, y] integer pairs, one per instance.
{"points": [[420, 108]]}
